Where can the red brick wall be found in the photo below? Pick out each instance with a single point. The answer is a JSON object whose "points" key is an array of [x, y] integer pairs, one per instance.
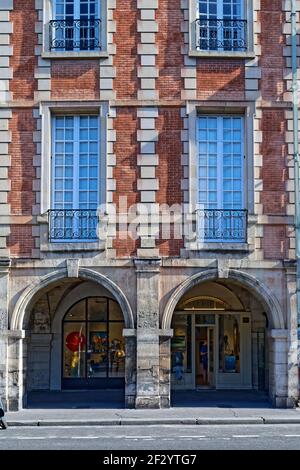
{"points": [[274, 171], [22, 125], [217, 79], [126, 170], [275, 242], [126, 39], [169, 40], [21, 173], [273, 125], [23, 40], [73, 80], [220, 79], [272, 41], [20, 241], [169, 170]]}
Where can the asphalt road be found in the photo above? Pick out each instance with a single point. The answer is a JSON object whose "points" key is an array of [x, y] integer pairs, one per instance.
{"points": [[233, 437]]}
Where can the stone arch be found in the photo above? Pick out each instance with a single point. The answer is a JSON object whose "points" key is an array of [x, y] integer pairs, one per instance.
{"points": [[260, 291], [27, 297]]}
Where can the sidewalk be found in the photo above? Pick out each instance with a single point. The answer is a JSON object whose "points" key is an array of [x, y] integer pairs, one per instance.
{"points": [[176, 416], [103, 408]]}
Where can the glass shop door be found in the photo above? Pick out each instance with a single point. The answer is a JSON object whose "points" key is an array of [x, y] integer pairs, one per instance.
{"points": [[204, 357]]}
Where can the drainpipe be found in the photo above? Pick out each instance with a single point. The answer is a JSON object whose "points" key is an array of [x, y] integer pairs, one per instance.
{"points": [[296, 156]]}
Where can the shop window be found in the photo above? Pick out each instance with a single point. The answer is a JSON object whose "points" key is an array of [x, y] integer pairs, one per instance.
{"points": [[93, 343], [181, 345], [229, 344]]}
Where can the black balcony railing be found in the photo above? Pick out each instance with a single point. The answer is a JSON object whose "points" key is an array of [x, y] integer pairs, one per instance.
{"points": [[221, 35], [75, 35], [73, 224], [222, 225]]}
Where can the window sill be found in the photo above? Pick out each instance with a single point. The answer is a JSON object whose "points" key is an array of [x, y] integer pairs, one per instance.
{"points": [[222, 54], [75, 55], [219, 246], [72, 246]]}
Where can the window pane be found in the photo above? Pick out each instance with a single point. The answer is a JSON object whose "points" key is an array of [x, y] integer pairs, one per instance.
{"points": [[77, 312], [72, 148], [220, 162], [97, 309], [229, 344], [74, 350], [116, 350], [181, 353], [84, 147], [97, 350], [205, 319], [115, 312]]}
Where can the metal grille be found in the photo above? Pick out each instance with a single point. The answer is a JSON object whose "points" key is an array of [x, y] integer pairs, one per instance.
{"points": [[221, 35], [72, 35], [222, 225], [72, 224]]}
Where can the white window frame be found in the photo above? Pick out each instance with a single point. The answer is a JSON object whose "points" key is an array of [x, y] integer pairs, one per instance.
{"points": [[217, 222], [47, 110], [77, 9], [75, 190], [247, 110], [220, 155], [220, 9], [76, 16], [49, 14], [247, 14]]}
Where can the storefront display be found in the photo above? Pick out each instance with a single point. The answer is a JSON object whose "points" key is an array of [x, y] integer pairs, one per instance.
{"points": [[206, 348], [229, 344], [93, 344]]}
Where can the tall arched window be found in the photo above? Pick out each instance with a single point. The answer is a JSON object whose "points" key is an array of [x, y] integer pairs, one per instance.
{"points": [[93, 344]]}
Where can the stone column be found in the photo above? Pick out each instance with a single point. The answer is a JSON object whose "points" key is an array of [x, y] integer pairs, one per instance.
{"points": [[38, 360], [292, 340], [278, 368], [4, 271], [130, 367], [147, 348], [15, 370], [165, 368]]}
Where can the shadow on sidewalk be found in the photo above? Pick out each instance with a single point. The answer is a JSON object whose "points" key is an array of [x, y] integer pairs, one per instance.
{"points": [[83, 399], [220, 399], [114, 399]]}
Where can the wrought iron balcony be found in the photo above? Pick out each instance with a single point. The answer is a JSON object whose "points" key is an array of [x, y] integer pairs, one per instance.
{"points": [[222, 225], [73, 225], [221, 35], [75, 35]]}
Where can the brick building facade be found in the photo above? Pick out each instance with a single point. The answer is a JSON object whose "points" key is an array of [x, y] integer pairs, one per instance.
{"points": [[131, 114]]}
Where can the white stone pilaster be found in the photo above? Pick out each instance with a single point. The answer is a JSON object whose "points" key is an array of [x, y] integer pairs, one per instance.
{"points": [[6, 74], [111, 184], [147, 183], [287, 77], [107, 69], [147, 50], [189, 70], [42, 71]]}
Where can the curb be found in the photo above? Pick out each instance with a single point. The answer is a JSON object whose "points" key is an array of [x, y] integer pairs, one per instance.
{"points": [[281, 420], [154, 422]]}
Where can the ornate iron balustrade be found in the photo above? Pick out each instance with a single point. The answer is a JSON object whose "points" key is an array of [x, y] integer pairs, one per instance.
{"points": [[75, 35], [221, 35], [73, 224], [222, 225]]}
